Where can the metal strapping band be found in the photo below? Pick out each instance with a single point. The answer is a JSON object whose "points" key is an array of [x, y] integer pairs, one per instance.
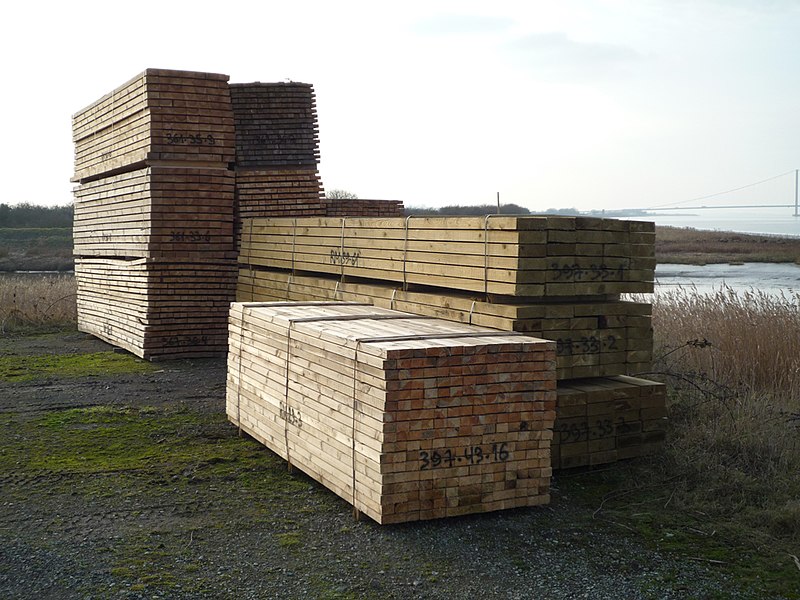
{"points": [[391, 300], [299, 304], [286, 396], [356, 512], [486, 253], [249, 261], [405, 251], [341, 249], [358, 317], [289, 282], [471, 309], [239, 375], [336, 289], [441, 336], [294, 239]]}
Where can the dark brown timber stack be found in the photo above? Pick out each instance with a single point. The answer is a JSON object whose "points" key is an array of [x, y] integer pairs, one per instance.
{"points": [[277, 150]]}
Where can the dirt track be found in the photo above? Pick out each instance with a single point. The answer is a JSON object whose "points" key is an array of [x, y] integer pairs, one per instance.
{"points": [[135, 486]]}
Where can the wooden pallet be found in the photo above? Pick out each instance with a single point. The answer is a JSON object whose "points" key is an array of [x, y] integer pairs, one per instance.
{"points": [[603, 420], [407, 418], [593, 337], [167, 212], [513, 256], [159, 115], [156, 310], [276, 124]]}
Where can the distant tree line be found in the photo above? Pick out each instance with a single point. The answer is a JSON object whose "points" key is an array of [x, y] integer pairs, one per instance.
{"points": [[27, 215], [487, 209]]}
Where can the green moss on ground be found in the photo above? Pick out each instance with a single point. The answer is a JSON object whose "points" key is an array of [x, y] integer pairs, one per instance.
{"points": [[28, 368]]}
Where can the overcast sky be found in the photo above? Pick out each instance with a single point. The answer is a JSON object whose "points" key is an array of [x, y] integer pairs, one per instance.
{"points": [[587, 104]]}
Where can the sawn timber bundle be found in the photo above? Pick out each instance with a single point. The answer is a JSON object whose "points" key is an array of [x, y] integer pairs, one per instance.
{"points": [[156, 309], [510, 256], [593, 337], [154, 213], [406, 417], [166, 212], [158, 116], [605, 419], [276, 124]]}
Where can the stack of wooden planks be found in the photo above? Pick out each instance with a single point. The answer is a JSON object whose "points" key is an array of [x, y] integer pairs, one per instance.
{"points": [[559, 278], [159, 115], [601, 420], [154, 213], [168, 212], [593, 337], [277, 156], [276, 124], [406, 417], [156, 309], [509, 256], [356, 207], [278, 193], [277, 150]]}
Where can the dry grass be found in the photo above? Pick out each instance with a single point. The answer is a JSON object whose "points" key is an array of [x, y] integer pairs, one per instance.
{"points": [[37, 301], [692, 246], [732, 360]]}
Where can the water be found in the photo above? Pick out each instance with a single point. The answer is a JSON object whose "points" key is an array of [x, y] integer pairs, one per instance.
{"points": [[774, 221], [770, 278]]}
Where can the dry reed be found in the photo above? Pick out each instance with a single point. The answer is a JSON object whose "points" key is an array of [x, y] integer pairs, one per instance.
{"points": [[37, 300], [732, 359]]}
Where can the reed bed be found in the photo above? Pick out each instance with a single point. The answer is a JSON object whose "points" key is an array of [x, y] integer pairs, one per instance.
{"points": [[732, 360], [37, 301]]}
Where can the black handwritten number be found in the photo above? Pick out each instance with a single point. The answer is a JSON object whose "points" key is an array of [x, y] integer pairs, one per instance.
{"points": [[594, 345], [500, 452], [290, 415], [478, 454], [468, 454], [436, 459], [612, 342], [345, 258], [210, 140], [423, 456], [564, 346], [449, 458]]}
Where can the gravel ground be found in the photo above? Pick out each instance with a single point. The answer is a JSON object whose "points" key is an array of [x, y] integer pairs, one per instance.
{"points": [[204, 529]]}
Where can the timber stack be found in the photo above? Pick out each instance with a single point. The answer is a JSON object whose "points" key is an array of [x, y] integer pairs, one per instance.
{"points": [[357, 207], [155, 262], [405, 417], [277, 150], [277, 157], [558, 278]]}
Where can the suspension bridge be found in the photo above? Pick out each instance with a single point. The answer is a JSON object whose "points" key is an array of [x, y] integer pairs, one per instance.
{"points": [[684, 205]]}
